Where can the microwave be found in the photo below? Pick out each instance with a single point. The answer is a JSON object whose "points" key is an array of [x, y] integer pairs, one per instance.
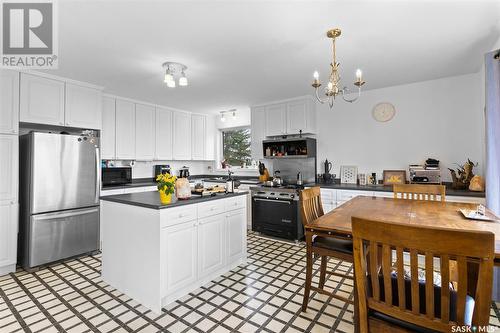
{"points": [[116, 176]]}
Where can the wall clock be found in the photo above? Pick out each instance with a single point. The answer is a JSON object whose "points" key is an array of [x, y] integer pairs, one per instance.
{"points": [[383, 112]]}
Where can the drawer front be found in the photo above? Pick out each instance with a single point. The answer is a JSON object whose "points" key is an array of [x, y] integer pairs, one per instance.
{"points": [[177, 215], [111, 192], [140, 189], [236, 202], [474, 200], [211, 208], [133, 190], [343, 195], [328, 194], [383, 194]]}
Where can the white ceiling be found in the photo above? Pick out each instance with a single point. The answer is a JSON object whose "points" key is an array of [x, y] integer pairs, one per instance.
{"points": [[241, 53]]}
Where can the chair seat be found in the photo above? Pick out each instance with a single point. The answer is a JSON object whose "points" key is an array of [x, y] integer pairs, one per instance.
{"points": [[335, 244]]}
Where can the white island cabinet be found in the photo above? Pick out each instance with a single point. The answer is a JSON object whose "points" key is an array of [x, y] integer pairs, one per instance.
{"points": [[157, 254]]}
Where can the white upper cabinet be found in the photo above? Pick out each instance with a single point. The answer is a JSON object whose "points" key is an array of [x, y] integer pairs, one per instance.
{"points": [[198, 136], [181, 135], [300, 116], [258, 132], [83, 106], [163, 133], [108, 129], [9, 102], [125, 130], [41, 100], [9, 147], [288, 117], [144, 132], [275, 119], [210, 137]]}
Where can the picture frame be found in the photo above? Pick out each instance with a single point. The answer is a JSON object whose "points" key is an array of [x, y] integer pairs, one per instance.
{"points": [[348, 174], [392, 177]]}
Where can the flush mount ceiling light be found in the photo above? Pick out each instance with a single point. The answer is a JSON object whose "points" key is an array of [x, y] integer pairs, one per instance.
{"points": [[171, 70], [333, 87], [223, 113]]}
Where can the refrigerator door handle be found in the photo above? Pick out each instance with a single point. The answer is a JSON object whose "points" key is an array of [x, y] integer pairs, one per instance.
{"points": [[98, 176], [60, 215]]}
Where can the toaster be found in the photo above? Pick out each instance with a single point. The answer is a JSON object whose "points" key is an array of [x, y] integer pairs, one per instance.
{"points": [[421, 175]]}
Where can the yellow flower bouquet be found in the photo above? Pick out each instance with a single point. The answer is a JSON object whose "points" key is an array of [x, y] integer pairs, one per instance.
{"points": [[166, 186]]}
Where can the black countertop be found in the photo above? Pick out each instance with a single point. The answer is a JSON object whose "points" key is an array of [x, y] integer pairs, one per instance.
{"points": [[152, 199], [139, 182]]}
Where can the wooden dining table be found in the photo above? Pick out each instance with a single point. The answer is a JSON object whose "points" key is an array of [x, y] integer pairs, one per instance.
{"points": [[337, 223]]}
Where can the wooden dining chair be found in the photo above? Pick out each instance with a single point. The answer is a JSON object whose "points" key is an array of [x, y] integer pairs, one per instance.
{"points": [[321, 247], [432, 192], [394, 300]]}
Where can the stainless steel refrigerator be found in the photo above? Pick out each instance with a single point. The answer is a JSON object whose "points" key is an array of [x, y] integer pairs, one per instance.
{"points": [[60, 184]]}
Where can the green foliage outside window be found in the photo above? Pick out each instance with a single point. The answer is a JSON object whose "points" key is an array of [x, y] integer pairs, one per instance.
{"points": [[236, 147]]}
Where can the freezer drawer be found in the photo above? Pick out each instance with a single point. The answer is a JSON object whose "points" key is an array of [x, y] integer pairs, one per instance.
{"points": [[60, 235]]}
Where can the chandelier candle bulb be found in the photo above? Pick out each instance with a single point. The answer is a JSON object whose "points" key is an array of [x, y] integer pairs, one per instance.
{"points": [[316, 75], [359, 73]]}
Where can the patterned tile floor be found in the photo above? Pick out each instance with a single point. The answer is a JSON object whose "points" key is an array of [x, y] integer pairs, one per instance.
{"points": [[263, 296]]}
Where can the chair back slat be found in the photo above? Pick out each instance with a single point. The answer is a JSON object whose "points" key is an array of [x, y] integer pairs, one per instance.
{"points": [[374, 270], [445, 281], [415, 299], [380, 251], [386, 271], [462, 287], [401, 278], [429, 285], [420, 192], [310, 204]]}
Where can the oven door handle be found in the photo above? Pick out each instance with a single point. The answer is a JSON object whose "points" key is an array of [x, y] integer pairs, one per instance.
{"points": [[270, 200]]}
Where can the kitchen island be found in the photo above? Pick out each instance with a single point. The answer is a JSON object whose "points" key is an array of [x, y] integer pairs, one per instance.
{"points": [[158, 253]]}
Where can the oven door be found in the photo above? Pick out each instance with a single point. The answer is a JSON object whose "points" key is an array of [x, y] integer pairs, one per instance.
{"points": [[277, 218]]}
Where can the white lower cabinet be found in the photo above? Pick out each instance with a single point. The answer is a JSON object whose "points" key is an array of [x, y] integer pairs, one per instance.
{"points": [[157, 256], [179, 256], [8, 237], [198, 247], [236, 234], [211, 244]]}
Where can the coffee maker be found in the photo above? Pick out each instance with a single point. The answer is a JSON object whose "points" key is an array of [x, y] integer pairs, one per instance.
{"points": [[162, 169]]}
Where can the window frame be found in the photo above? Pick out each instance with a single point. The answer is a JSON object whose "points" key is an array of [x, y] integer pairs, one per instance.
{"points": [[220, 148]]}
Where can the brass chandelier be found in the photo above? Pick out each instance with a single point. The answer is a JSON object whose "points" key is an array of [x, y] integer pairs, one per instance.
{"points": [[332, 90]]}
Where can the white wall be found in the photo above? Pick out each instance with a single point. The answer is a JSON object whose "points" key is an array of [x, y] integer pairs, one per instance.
{"points": [[443, 119]]}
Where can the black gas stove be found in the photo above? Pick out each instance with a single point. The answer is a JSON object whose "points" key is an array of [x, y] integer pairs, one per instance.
{"points": [[276, 211]]}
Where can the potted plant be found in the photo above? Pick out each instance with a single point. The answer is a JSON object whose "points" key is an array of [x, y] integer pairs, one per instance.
{"points": [[166, 183]]}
